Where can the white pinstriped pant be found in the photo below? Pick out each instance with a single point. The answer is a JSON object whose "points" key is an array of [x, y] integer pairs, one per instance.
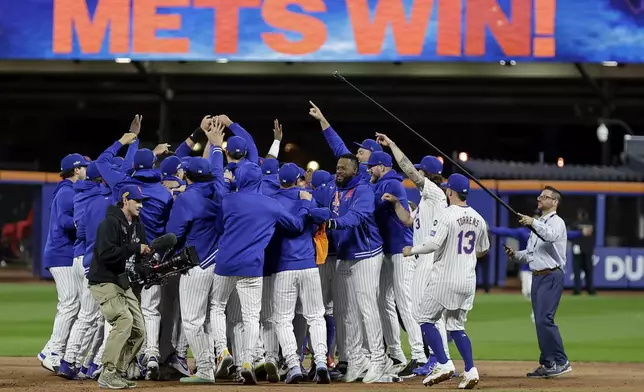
{"points": [[387, 306], [234, 327], [196, 289], [86, 325], [249, 290], [305, 285], [68, 287], [268, 347], [356, 308], [327, 272], [150, 308], [419, 283]]}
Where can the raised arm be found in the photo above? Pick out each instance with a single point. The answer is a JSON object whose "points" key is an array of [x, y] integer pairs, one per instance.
{"points": [[215, 135], [332, 138], [274, 151], [111, 175], [405, 164], [252, 154]]}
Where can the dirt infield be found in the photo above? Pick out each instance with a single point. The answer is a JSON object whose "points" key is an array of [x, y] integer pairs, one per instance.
{"points": [[25, 374]]}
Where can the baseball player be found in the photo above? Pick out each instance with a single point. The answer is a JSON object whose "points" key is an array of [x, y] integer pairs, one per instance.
{"points": [[249, 219], [397, 271], [427, 178], [58, 259], [359, 247], [340, 149], [459, 236], [86, 324], [298, 277]]}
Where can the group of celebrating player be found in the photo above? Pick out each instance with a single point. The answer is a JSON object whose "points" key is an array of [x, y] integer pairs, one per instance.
{"points": [[286, 256]]}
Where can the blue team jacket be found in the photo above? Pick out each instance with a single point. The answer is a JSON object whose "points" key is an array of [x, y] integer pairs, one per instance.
{"points": [[250, 218], [193, 220], [270, 185], [339, 149], [296, 250], [59, 247], [394, 233], [85, 190], [156, 209], [352, 207], [95, 212]]}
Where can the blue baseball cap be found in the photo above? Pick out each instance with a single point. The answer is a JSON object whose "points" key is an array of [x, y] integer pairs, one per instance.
{"points": [[236, 144], [73, 161], [184, 162], [92, 171], [198, 165], [320, 177], [458, 183], [379, 158], [118, 161], [132, 192], [270, 166], [171, 165], [369, 144], [302, 172], [144, 159], [431, 165], [288, 173]]}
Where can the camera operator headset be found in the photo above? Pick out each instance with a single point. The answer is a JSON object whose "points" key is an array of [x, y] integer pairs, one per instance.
{"points": [[192, 220], [120, 243], [154, 216]]}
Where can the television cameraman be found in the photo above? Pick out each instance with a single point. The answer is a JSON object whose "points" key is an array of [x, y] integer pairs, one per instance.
{"points": [[120, 241]]}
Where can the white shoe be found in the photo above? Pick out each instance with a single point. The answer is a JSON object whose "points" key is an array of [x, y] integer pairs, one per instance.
{"points": [[469, 379], [51, 362], [377, 370], [356, 370], [441, 372], [395, 369]]}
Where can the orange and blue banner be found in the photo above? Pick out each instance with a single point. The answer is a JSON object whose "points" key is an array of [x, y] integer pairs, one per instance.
{"points": [[324, 30]]}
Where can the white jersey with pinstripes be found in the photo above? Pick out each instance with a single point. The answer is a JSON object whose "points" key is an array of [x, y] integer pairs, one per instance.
{"points": [[432, 201], [460, 232]]}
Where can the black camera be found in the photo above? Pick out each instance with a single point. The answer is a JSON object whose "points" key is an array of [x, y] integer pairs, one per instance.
{"points": [[162, 263]]}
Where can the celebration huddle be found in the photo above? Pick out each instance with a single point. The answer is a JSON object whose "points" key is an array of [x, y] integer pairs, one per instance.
{"points": [[272, 273]]}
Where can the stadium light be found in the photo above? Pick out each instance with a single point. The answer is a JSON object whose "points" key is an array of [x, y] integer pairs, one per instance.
{"points": [[560, 162], [222, 61], [610, 63], [602, 133], [313, 165], [462, 156], [123, 60]]}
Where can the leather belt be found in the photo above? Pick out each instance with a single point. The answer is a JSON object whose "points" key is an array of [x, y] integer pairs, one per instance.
{"points": [[545, 271]]}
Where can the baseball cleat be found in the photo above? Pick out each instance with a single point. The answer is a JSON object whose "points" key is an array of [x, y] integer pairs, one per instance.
{"points": [[469, 379], [441, 372], [51, 362], [357, 370], [248, 374], [426, 368], [67, 371], [322, 375], [224, 362], [294, 376], [539, 372], [272, 375], [180, 364], [408, 371], [153, 369], [377, 370]]}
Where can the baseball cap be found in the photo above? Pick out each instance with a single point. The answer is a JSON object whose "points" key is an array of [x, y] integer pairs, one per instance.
{"points": [[301, 172], [288, 173], [73, 161], [270, 166], [198, 165], [430, 164], [379, 158], [132, 192], [118, 161], [92, 171], [184, 162], [236, 144], [369, 144], [144, 159], [458, 183], [171, 165], [320, 177]]}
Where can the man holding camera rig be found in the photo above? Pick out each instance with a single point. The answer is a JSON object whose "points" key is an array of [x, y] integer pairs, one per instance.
{"points": [[120, 242]]}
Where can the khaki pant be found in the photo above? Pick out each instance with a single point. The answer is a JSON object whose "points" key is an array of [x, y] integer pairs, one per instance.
{"points": [[122, 310]]}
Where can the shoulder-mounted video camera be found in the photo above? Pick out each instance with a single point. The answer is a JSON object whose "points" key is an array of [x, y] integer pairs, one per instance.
{"points": [[155, 268]]}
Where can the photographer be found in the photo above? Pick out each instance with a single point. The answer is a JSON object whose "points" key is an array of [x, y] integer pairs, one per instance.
{"points": [[120, 241]]}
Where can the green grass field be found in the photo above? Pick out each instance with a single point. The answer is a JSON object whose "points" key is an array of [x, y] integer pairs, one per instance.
{"points": [[606, 328]]}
